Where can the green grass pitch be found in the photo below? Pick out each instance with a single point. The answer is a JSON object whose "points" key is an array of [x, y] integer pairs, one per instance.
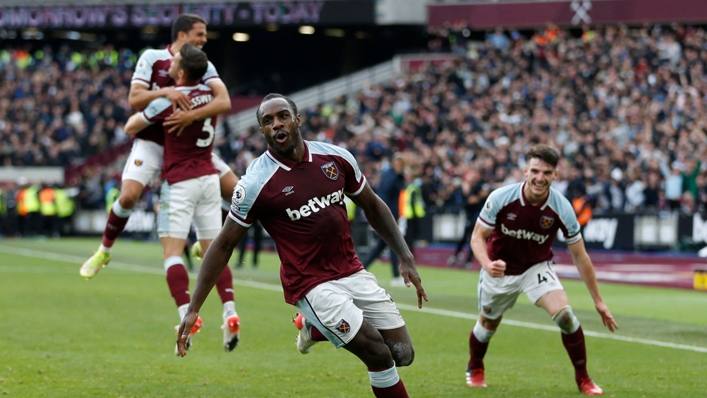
{"points": [[114, 336]]}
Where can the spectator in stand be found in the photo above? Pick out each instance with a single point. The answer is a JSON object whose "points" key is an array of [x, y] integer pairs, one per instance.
{"points": [[474, 192], [673, 183], [411, 207], [635, 193], [653, 192], [392, 182]]}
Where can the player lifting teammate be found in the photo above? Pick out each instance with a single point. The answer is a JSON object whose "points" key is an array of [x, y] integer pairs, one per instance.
{"points": [[150, 81]]}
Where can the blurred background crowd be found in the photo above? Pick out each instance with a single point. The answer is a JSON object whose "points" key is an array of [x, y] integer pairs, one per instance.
{"points": [[624, 106]]}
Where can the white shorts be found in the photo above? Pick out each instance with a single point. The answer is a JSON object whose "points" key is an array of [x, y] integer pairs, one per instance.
{"points": [[144, 162], [337, 308], [496, 295], [197, 199], [220, 165]]}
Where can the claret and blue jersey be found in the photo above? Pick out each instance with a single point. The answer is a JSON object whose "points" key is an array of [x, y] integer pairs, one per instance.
{"points": [[523, 233], [301, 205], [152, 72]]}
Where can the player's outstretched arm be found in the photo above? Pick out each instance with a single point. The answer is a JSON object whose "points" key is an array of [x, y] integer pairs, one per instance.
{"points": [[219, 104], [381, 219], [141, 96], [215, 260], [586, 271]]}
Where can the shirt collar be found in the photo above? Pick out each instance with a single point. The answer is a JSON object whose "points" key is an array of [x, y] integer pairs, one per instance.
{"points": [[288, 164], [523, 199]]}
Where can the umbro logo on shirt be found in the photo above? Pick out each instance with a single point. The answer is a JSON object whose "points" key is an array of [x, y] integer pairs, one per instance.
{"points": [[288, 190], [162, 73]]}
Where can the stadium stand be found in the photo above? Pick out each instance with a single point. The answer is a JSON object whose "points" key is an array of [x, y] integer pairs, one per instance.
{"points": [[624, 105], [618, 102]]}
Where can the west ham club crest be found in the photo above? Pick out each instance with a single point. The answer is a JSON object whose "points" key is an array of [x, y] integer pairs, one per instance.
{"points": [[546, 222], [330, 171], [343, 326]]}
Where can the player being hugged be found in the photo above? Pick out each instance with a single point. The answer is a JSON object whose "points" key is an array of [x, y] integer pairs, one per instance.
{"points": [[512, 240], [190, 189], [151, 80]]}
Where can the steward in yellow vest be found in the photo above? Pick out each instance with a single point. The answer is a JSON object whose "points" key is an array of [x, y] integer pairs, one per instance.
{"points": [[64, 209], [411, 209]]}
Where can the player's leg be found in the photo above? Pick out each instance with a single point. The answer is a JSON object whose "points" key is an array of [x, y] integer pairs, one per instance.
{"points": [[242, 247], [257, 242], [496, 296], [461, 244], [380, 310], [382, 322], [370, 347], [207, 222], [329, 308], [227, 182], [479, 340], [177, 202], [141, 167], [375, 252], [177, 276], [397, 280], [178, 279], [543, 287]]}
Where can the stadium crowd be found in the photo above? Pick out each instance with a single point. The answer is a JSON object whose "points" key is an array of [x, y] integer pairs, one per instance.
{"points": [[625, 107]]}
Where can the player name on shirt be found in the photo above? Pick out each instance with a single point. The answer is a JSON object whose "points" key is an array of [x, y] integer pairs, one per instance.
{"points": [[201, 99]]}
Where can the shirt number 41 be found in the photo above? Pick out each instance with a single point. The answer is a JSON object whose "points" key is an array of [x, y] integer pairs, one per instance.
{"points": [[542, 279]]}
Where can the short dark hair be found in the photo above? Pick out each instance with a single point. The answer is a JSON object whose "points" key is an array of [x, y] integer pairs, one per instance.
{"points": [[544, 153], [270, 96], [194, 62], [184, 23]]}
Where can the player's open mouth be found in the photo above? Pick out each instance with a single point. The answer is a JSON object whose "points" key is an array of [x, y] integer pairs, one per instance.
{"points": [[281, 136]]}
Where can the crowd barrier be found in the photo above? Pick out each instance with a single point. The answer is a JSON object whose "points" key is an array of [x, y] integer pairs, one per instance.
{"points": [[639, 232]]}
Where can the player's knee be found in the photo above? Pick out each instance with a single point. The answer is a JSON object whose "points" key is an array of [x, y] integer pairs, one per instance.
{"points": [[376, 356], [482, 333], [566, 320], [489, 324], [403, 354], [128, 199]]}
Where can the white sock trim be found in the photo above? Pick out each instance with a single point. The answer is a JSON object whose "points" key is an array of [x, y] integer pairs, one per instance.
{"points": [[482, 334], [182, 309], [120, 211], [105, 249], [384, 379], [229, 309], [171, 261]]}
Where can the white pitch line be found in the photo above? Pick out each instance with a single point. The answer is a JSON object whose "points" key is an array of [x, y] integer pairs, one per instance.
{"points": [[529, 325], [268, 286]]}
